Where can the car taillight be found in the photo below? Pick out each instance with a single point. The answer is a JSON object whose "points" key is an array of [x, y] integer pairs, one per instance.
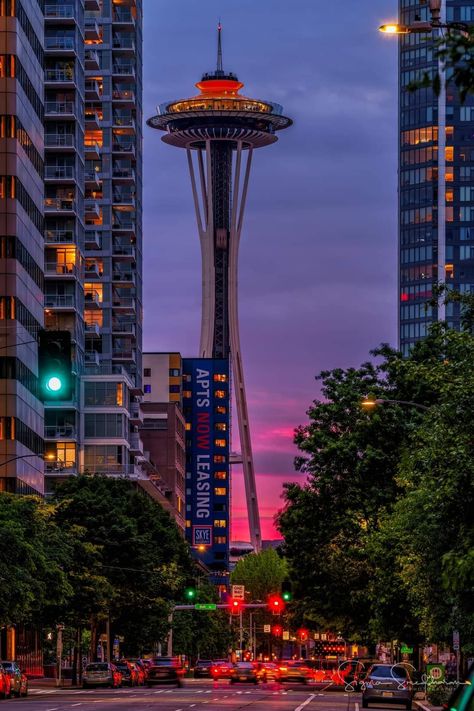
{"points": [[283, 668]]}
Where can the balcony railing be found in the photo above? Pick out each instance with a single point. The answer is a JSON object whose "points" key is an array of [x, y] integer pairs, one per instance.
{"points": [[123, 276], [136, 443], [92, 329], [124, 225], [118, 327], [123, 69], [119, 250], [59, 172], [123, 43], [125, 173], [123, 16], [104, 369], [63, 11], [124, 302], [123, 199], [93, 239], [122, 471], [123, 95], [127, 121], [60, 269], [59, 205], [59, 236], [59, 107], [61, 75], [59, 139], [55, 301], [58, 432], [59, 43], [92, 357], [92, 297]]}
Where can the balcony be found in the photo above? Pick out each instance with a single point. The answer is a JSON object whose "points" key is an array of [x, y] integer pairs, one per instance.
{"points": [[92, 30], [136, 445], [92, 271], [124, 226], [93, 120], [59, 140], [124, 303], [123, 120], [59, 205], [91, 210], [92, 329], [124, 175], [119, 354], [122, 277], [60, 432], [104, 369], [123, 44], [125, 251], [91, 150], [59, 76], [93, 91], [126, 327], [59, 12], [135, 412], [65, 109], [123, 16], [60, 301], [60, 44], [59, 236], [123, 199], [91, 179], [91, 358], [59, 172], [93, 239], [117, 471], [92, 60], [124, 70], [124, 148], [126, 96], [92, 299], [92, 6], [59, 468], [55, 269]]}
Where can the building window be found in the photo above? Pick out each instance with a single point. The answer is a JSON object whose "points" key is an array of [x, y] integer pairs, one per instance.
{"points": [[220, 378], [188, 426], [147, 389], [220, 523], [220, 475], [220, 491], [220, 410], [103, 394], [220, 442], [103, 425], [175, 388], [220, 394], [219, 459], [187, 393], [220, 540], [175, 372], [147, 372], [221, 426], [188, 524]]}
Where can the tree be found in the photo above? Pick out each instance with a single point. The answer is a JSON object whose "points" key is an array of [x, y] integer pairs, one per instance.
{"points": [[261, 573]]}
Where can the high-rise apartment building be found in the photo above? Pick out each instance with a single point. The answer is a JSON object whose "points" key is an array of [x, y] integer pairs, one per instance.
{"points": [[436, 172], [93, 231], [21, 243]]}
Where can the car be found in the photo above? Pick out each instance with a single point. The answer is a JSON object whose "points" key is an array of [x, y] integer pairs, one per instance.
{"points": [[462, 696], [140, 670], [128, 672], [165, 670], [202, 668], [5, 684], [101, 674], [18, 680], [267, 671], [294, 670], [244, 671], [221, 669], [387, 683]]}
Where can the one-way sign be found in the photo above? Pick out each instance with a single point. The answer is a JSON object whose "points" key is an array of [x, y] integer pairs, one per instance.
{"points": [[238, 592]]}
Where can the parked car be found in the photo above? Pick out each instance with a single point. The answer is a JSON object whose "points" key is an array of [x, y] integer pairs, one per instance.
{"points": [[101, 674], [5, 684], [244, 671], [202, 668], [140, 670], [221, 669], [387, 683], [165, 670], [293, 670], [18, 680], [128, 672]]}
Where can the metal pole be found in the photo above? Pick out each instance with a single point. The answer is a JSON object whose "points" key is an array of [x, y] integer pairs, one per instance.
{"points": [[241, 635], [170, 635], [107, 633], [59, 650]]}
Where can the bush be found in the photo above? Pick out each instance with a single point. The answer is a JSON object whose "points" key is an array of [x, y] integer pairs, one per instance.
{"points": [[438, 694]]}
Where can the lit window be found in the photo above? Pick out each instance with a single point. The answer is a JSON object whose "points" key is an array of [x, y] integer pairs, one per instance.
{"points": [[220, 378], [120, 394], [220, 491], [221, 426], [220, 475], [147, 389], [449, 153], [188, 426], [220, 540], [220, 442], [221, 394], [188, 524], [449, 195], [219, 459], [220, 410], [187, 393], [220, 523]]}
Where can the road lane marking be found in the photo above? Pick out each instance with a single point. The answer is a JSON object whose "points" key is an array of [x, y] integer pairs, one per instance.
{"points": [[79, 704], [305, 703], [356, 706]]}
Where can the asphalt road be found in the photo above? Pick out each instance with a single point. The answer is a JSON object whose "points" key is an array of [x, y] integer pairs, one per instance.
{"points": [[201, 696]]}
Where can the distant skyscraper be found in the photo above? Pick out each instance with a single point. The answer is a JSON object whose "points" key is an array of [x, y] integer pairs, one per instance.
{"points": [[21, 244], [436, 173], [220, 129]]}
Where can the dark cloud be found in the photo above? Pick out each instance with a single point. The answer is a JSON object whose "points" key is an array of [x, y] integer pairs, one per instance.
{"points": [[318, 256]]}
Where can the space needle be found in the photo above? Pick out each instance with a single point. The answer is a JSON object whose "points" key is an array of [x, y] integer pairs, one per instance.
{"points": [[219, 129]]}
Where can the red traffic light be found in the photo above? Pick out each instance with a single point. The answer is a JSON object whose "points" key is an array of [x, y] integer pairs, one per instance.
{"points": [[277, 630], [302, 634], [234, 606], [276, 604]]}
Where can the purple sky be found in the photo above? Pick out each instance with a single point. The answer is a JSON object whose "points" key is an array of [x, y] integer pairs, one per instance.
{"points": [[318, 253]]}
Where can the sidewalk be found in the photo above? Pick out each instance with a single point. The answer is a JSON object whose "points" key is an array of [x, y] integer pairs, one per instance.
{"points": [[425, 706], [47, 683]]}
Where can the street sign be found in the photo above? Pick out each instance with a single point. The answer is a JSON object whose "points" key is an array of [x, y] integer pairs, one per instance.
{"points": [[456, 640], [206, 606], [238, 592], [435, 674], [406, 650], [267, 628]]}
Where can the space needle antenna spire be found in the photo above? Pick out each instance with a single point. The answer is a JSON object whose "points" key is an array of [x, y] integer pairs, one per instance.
{"points": [[220, 69]]}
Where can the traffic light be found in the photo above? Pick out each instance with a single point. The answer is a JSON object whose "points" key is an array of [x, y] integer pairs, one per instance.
{"points": [[190, 594], [286, 591], [302, 634], [54, 365], [277, 630], [235, 605], [276, 604]]}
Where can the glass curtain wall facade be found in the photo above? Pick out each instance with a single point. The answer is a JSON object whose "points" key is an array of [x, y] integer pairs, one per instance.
{"points": [[21, 244], [436, 172]]}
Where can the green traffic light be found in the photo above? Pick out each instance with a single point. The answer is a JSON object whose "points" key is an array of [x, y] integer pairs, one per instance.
{"points": [[54, 384], [190, 593], [286, 596]]}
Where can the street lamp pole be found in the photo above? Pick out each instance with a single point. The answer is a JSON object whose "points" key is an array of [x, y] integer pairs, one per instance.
{"points": [[371, 402]]}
